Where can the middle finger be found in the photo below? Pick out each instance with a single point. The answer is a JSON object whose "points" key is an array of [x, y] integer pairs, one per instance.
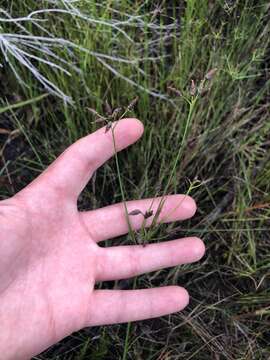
{"points": [[120, 262]]}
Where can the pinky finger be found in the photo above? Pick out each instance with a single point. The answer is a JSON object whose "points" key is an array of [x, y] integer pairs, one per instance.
{"points": [[119, 306]]}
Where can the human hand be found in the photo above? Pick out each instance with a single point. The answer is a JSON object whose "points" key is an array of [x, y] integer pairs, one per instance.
{"points": [[50, 258]]}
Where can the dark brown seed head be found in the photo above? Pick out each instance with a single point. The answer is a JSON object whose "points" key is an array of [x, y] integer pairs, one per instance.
{"points": [[116, 113], [148, 214], [133, 103]]}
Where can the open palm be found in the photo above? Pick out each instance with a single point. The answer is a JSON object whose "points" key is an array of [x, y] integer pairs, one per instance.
{"points": [[50, 258]]}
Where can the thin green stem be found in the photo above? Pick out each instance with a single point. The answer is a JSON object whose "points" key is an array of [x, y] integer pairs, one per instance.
{"points": [[191, 108], [131, 232], [126, 346]]}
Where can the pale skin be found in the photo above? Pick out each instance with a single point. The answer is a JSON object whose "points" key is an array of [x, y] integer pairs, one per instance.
{"points": [[50, 256]]}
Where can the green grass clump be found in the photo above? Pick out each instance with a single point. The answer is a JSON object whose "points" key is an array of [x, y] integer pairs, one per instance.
{"points": [[206, 133]]}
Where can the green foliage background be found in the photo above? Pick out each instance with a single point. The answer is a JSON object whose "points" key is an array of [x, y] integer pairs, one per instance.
{"points": [[68, 56]]}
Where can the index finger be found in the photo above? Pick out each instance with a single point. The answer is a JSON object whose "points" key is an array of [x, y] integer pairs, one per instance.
{"points": [[72, 170]]}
